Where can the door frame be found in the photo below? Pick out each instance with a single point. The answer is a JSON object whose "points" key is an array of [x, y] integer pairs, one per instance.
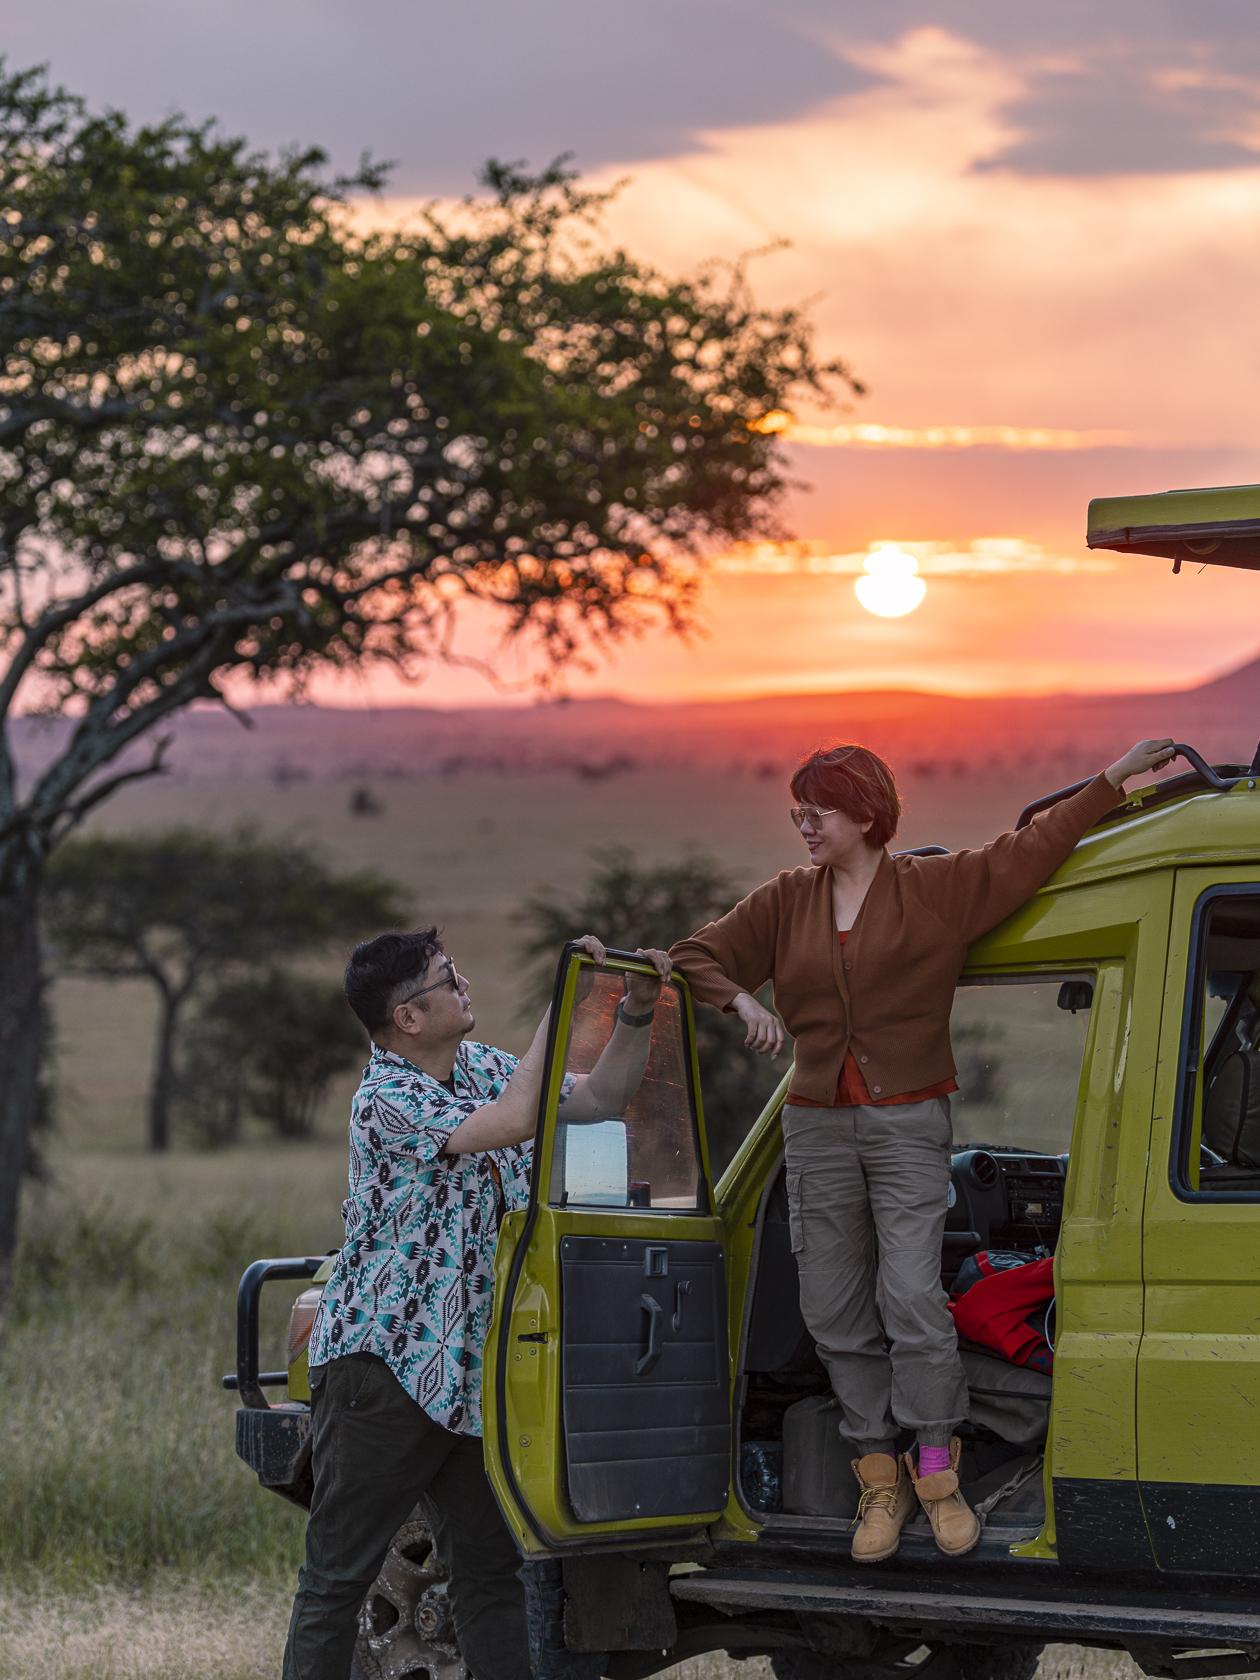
{"points": [[517, 1246]]}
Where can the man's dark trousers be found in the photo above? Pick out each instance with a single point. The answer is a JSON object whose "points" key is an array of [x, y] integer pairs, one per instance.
{"points": [[375, 1453]]}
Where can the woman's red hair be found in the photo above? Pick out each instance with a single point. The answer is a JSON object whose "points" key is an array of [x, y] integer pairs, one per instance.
{"points": [[854, 780]]}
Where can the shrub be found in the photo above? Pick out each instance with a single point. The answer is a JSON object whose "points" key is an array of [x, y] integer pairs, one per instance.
{"points": [[265, 1048]]}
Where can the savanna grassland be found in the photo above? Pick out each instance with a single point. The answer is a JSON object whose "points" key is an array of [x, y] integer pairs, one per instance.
{"points": [[132, 1541]]}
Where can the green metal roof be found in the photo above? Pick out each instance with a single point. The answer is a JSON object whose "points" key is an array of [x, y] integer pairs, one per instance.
{"points": [[1133, 854], [1200, 826], [1215, 527]]}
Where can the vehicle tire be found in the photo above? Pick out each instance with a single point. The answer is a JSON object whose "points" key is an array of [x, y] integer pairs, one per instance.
{"points": [[549, 1657], [405, 1626], [1016, 1661]]}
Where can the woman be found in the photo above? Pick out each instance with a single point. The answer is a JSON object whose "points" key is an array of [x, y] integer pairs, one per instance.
{"points": [[865, 949]]}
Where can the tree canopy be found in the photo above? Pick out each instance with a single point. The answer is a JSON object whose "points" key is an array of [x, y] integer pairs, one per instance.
{"points": [[265, 1045], [237, 434], [241, 435], [183, 908]]}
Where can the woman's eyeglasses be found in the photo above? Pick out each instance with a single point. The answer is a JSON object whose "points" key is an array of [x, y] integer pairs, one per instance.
{"points": [[802, 814], [450, 978]]}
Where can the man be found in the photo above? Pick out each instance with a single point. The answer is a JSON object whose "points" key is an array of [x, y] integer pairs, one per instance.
{"points": [[437, 1134]]}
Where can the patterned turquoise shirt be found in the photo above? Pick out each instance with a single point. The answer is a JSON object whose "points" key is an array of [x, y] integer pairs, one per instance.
{"points": [[413, 1280]]}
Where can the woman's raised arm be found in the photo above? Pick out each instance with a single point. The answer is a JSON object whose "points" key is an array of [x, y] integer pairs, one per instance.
{"points": [[985, 886]]}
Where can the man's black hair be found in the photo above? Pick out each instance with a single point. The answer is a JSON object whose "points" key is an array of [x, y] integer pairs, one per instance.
{"points": [[380, 968]]}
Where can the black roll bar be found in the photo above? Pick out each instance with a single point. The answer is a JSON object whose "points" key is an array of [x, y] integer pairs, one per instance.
{"points": [[248, 1380], [1200, 771]]}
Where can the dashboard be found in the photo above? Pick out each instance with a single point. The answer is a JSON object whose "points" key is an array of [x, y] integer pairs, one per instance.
{"points": [[1002, 1198]]}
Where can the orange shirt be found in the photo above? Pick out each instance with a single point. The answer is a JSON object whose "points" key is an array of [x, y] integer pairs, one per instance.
{"points": [[851, 1091]]}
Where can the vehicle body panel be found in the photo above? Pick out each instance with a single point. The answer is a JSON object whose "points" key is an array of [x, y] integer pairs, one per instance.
{"points": [[1107, 911], [1199, 1368]]}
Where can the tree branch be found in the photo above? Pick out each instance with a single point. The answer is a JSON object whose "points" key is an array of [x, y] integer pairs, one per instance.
{"points": [[95, 745], [86, 417], [72, 815], [64, 614]]}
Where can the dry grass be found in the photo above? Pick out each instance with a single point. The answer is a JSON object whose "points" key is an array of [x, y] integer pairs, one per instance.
{"points": [[177, 1629], [1060, 1662], [119, 1454]]}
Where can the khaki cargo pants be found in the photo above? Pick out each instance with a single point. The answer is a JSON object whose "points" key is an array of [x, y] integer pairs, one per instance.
{"points": [[867, 1194]]}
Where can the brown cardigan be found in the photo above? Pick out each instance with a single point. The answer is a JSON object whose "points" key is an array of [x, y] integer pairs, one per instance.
{"points": [[887, 994]]}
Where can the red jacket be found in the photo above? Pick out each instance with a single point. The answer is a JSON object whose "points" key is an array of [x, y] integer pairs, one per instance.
{"points": [[995, 1311]]}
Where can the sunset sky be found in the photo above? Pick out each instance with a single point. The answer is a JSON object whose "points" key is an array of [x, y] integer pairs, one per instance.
{"points": [[1033, 232]]}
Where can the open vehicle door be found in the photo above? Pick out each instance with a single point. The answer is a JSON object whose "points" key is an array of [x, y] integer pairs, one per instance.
{"points": [[607, 1394]]}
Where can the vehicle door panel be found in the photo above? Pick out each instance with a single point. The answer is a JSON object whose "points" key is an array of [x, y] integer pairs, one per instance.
{"points": [[646, 1410]]}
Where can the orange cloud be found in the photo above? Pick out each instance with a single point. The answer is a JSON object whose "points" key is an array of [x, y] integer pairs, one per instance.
{"points": [[1054, 439], [978, 557]]}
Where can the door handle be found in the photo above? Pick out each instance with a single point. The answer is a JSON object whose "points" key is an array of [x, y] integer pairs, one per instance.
{"points": [[681, 1292], [652, 1352]]}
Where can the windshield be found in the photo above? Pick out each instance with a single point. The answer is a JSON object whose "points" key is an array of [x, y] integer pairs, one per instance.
{"points": [[1019, 1057]]}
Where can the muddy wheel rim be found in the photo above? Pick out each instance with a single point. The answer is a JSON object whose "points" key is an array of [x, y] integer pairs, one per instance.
{"points": [[405, 1626]]}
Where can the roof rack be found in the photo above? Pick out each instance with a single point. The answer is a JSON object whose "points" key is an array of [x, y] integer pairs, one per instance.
{"points": [[1221, 777]]}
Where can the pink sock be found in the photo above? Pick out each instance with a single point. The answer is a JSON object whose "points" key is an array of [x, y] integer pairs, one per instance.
{"points": [[932, 1459]]}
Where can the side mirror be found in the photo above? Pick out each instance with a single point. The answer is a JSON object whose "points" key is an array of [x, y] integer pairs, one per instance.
{"points": [[595, 1161], [1076, 994]]}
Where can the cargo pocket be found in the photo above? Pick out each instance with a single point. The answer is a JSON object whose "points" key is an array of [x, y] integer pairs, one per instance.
{"points": [[795, 1233]]}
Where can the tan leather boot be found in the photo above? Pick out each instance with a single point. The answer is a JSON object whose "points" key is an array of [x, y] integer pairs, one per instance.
{"points": [[885, 1502], [955, 1525]]}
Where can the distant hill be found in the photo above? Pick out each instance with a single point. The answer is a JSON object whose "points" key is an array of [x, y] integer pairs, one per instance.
{"points": [[602, 737], [1240, 687]]}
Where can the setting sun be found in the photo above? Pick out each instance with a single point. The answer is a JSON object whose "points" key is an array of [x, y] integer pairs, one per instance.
{"points": [[892, 587]]}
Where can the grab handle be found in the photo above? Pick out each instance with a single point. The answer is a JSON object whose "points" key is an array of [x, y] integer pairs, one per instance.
{"points": [[652, 1352]]}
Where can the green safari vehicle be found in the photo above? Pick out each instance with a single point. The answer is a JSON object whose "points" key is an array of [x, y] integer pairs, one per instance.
{"points": [[659, 1431]]}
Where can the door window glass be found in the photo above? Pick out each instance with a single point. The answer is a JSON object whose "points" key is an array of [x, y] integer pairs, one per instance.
{"points": [[1019, 1045], [626, 1133], [1219, 1121]]}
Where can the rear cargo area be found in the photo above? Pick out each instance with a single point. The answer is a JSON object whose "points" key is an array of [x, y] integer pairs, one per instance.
{"points": [[793, 1458]]}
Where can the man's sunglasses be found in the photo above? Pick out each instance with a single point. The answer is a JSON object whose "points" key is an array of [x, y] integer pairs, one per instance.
{"points": [[450, 978]]}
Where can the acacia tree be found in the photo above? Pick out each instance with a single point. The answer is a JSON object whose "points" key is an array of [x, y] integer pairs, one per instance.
{"points": [[240, 438], [184, 909], [267, 1045]]}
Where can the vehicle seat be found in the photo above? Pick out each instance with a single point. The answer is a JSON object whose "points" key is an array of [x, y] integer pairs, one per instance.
{"points": [[1231, 1111]]}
